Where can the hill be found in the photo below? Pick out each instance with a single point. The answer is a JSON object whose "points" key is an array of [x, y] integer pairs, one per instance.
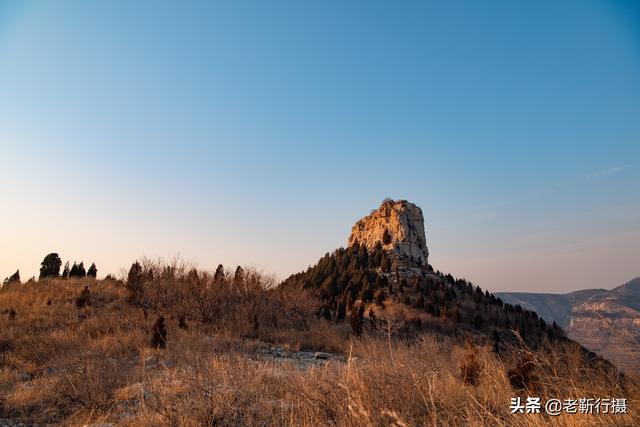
{"points": [[384, 273], [369, 336], [604, 321]]}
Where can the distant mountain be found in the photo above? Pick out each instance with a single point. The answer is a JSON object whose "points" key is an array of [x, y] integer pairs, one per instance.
{"points": [[605, 321]]}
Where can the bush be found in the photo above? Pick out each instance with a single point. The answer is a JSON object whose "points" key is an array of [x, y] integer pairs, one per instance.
{"points": [[356, 323], [84, 299], [523, 376], [470, 366], [159, 334]]}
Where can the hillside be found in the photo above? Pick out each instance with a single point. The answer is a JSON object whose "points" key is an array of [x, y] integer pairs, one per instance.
{"points": [[369, 336], [386, 265], [604, 321]]}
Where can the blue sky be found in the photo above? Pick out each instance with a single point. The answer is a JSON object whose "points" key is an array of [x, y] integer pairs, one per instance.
{"points": [[259, 132]]}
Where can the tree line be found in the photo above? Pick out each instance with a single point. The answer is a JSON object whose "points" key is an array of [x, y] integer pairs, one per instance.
{"points": [[50, 269]]}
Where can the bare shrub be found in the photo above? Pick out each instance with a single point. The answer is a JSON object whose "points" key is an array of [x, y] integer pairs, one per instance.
{"points": [[470, 366]]}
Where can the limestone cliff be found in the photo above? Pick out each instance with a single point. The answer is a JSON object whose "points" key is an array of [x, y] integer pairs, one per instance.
{"points": [[398, 226]]}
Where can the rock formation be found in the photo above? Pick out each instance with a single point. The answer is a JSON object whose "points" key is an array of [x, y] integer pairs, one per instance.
{"points": [[398, 226]]}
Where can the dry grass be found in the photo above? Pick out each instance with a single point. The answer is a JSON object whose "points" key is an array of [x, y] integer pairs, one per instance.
{"points": [[72, 365]]}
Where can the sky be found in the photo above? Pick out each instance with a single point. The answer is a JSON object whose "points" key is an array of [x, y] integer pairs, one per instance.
{"points": [[257, 133]]}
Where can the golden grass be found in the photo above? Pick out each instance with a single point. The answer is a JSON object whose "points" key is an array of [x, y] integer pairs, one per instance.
{"points": [[76, 366]]}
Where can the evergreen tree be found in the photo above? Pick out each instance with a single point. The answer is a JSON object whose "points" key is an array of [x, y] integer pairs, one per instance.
{"points": [[478, 321], [50, 266], [93, 271], [386, 263], [356, 324], [66, 271], [14, 278], [81, 270], [135, 284], [219, 274], [379, 297], [74, 270], [238, 278]]}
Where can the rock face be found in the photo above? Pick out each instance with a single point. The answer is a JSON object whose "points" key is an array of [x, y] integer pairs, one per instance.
{"points": [[398, 226], [605, 321]]}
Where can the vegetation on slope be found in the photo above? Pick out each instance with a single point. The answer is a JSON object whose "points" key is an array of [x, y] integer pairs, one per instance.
{"points": [[172, 345]]}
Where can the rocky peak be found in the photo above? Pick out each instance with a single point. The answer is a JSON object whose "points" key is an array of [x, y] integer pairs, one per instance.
{"points": [[398, 226]]}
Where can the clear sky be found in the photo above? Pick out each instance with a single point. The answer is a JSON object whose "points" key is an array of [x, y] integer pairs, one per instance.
{"points": [[258, 132]]}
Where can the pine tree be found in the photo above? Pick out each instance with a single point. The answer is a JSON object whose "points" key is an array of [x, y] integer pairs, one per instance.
{"points": [[81, 270], [66, 271], [135, 284], [478, 321], [13, 279], [238, 278], [74, 270], [93, 271], [356, 324], [219, 274]]}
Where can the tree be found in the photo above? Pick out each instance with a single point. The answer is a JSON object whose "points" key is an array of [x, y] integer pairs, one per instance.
{"points": [[74, 270], [386, 263], [379, 298], [81, 270], [238, 278], [135, 284], [219, 274], [50, 266], [356, 323], [93, 271], [478, 321], [66, 271], [14, 278]]}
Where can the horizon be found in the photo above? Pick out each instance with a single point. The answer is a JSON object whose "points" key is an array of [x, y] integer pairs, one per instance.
{"points": [[259, 135]]}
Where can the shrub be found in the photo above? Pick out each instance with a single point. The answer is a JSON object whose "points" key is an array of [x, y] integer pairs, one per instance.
{"points": [[84, 299], [356, 323], [159, 334], [182, 322], [523, 376], [470, 365], [379, 298]]}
